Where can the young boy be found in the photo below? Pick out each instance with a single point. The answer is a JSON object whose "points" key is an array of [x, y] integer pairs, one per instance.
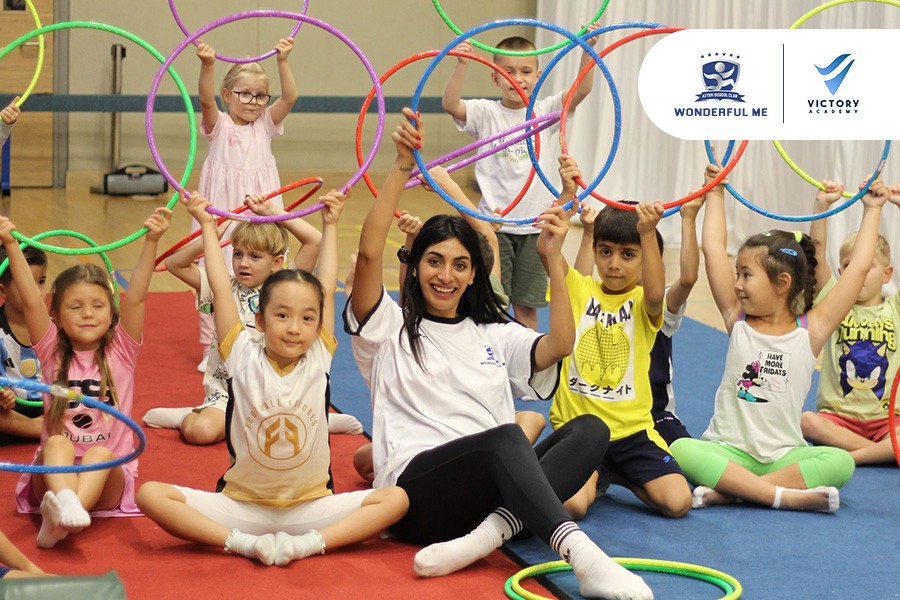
{"points": [[617, 320], [259, 250], [860, 362], [8, 118], [501, 175], [667, 423], [17, 358]]}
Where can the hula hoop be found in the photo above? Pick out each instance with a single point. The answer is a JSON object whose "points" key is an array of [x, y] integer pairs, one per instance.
{"points": [[781, 151], [737, 195], [231, 59], [151, 139], [40, 60], [892, 418], [486, 48], [672, 206], [731, 586], [416, 57], [186, 97], [159, 267], [505, 23], [56, 390]]}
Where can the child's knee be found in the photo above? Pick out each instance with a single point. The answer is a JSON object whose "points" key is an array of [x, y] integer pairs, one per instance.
{"points": [[362, 462], [203, 429]]}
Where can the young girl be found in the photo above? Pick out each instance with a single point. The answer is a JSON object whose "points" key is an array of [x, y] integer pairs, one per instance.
{"points": [[276, 503], [240, 159], [753, 449], [85, 342], [451, 337]]}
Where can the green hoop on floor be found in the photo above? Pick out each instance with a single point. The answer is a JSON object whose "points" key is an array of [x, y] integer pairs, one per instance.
{"points": [[535, 52], [781, 151], [189, 109], [106, 261], [731, 586]]}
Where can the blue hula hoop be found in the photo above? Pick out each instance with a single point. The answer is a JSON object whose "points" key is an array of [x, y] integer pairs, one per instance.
{"points": [[616, 102], [55, 390], [798, 218], [414, 103]]}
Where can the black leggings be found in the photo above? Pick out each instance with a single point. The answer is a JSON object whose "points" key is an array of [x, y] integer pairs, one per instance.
{"points": [[453, 487]]}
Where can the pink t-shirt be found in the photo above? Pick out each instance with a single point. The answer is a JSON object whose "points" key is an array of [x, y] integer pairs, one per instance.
{"points": [[89, 427]]}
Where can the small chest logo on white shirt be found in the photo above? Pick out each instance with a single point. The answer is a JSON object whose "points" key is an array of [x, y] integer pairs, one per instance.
{"points": [[491, 358]]}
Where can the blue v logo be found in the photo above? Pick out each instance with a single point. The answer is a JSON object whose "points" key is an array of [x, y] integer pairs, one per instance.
{"points": [[835, 82]]}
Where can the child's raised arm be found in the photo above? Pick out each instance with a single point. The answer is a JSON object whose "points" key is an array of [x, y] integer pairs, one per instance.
{"points": [[131, 311], [37, 318], [182, 264], [206, 87], [653, 272], [281, 108], [560, 338], [818, 231], [719, 270], [368, 284], [8, 117], [587, 83], [225, 311], [410, 225], [689, 258], [828, 314], [451, 101], [309, 237], [327, 266]]}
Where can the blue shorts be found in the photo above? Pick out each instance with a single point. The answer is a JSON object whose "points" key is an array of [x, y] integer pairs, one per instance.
{"points": [[640, 457]]}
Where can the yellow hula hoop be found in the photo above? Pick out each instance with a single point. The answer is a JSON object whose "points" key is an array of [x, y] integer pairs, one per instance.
{"points": [[732, 587], [40, 61], [781, 151]]}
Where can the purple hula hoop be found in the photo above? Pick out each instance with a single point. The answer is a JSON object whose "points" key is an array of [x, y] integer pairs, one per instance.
{"points": [[538, 123], [154, 89], [231, 59]]}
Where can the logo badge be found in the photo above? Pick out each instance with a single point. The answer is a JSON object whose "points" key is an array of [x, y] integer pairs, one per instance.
{"points": [[834, 82], [720, 76]]}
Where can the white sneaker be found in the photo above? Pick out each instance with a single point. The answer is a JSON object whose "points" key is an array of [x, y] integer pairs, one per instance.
{"points": [[343, 423]]}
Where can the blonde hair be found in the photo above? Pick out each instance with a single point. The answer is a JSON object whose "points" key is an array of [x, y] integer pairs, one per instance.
{"points": [[238, 70], [92, 274], [268, 238], [882, 248]]}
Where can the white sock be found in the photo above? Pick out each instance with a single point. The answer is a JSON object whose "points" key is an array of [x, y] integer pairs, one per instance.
{"points": [[166, 418], [51, 531], [294, 547], [698, 496], [831, 494], [342, 423], [599, 576], [447, 557], [72, 514], [260, 547]]}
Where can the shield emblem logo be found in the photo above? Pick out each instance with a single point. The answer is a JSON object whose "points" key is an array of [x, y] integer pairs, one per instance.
{"points": [[720, 75]]}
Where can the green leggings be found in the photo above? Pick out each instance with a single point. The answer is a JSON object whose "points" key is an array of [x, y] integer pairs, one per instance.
{"points": [[704, 462]]}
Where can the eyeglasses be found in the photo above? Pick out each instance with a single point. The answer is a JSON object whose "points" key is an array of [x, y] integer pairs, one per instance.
{"points": [[247, 98]]}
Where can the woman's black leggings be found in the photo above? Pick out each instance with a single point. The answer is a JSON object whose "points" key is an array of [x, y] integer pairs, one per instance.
{"points": [[453, 487]]}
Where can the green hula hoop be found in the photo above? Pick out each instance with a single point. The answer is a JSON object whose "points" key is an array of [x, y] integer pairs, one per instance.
{"points": [[731, 586], [106, 261], [189, 108], [781, 151], [40, 60], [486, 48]]}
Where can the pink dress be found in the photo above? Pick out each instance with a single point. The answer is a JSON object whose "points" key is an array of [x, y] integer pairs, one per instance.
{"points": [[88, 427]]}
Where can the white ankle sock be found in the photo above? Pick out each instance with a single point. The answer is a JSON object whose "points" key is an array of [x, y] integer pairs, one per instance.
{"points": [[260, 547], [832, 494], [295, 547], [447, 557], [72, 514], [699, 494], [51, 531], [343, 423], [166, 418], [599, 576]]}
